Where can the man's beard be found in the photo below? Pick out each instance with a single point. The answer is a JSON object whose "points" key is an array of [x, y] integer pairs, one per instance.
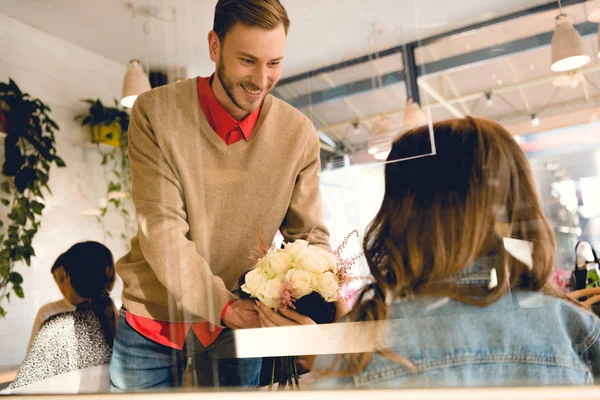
{"points": [[229, 87]]}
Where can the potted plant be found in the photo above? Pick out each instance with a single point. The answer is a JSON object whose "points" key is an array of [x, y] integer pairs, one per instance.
{"points": [[30, 151], [109, 126], [107, 123]]}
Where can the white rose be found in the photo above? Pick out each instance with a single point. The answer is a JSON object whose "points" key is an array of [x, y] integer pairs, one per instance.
{"points": [[255, 282], [330, 258], [327, 286], [293, 249], [312, 261], [271, 293], [280, 262], [265, 265], [302, 282]]}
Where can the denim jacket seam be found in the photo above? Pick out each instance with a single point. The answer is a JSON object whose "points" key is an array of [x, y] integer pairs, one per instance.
{"points": [[467, 359], [592, 339]]}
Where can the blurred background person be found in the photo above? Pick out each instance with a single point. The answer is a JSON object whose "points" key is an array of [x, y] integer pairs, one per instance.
{"points": [[80, 339]]}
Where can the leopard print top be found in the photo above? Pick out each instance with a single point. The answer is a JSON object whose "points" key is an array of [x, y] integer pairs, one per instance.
{"points": [[66, 342]]}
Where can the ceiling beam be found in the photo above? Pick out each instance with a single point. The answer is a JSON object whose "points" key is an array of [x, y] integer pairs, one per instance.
{"points": [[466, 97], [437, 97], [437, 67], [553, 5]]}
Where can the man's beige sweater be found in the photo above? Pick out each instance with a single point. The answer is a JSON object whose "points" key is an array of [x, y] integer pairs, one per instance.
{"points": [[198, 201]]}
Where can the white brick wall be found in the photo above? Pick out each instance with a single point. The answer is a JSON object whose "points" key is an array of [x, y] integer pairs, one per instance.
{"points": [[60, 74]]}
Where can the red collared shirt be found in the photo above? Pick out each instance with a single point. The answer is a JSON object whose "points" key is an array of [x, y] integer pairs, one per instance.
{"points": [[173, 334]]}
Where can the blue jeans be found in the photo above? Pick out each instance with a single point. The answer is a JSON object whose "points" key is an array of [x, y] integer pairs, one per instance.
{"points": [[139, 363]]}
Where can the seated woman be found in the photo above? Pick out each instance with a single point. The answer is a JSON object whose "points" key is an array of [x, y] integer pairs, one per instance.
{"points": [[461, 254], [82, 338], [56, 307]]}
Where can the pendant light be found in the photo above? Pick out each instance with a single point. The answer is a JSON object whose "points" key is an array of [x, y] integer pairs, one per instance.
{"points": [[567, 47], [135, 83], [413, 116], [380, 138]]}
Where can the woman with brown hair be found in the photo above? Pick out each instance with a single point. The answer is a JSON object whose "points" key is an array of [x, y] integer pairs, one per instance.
{"points": [[461, 254]]}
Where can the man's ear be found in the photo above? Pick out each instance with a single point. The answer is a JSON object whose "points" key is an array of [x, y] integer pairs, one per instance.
{"points": [[214, 46]]}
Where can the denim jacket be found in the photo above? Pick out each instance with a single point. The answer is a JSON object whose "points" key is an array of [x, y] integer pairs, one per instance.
{"points": [[525, 338]]}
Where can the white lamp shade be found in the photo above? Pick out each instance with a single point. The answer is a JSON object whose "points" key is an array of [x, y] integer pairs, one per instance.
{"points": [[380, 138], [567, 47], [135, 83], [413, 116]]}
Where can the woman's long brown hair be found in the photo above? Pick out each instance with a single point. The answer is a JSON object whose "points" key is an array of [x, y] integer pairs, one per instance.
{"points": [[442, 212]]}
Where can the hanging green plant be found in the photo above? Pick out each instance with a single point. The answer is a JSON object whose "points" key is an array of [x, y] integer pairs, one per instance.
{"points": [[109, 126], [107, 123], [29, 148]]}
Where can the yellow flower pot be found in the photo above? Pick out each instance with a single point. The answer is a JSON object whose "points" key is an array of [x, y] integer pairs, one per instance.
{"points": [[107, 134]]}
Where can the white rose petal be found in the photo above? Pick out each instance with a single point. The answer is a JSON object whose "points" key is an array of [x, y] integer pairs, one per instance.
{"points": [[255, 282], [280, 262], [327, 286], [293, 249], [331, 260], [265, 264], [303, 282], [271, 293], [312, 261]]}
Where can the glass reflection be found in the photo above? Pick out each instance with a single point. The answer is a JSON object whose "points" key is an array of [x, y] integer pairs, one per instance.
{"points": [[480, 264]]}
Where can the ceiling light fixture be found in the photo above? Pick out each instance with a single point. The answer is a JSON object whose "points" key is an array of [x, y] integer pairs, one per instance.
{"points": [[380, 138], [135, 83], [413, 115], [535, 121], [488, 99], [567, 47]]}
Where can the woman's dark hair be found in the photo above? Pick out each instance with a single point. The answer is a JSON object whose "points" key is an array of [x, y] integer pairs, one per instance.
{"points": [[91, 270], [58, 263]]}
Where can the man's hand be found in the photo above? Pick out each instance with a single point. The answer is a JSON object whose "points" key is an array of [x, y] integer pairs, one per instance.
{"points": [[241, 314]]}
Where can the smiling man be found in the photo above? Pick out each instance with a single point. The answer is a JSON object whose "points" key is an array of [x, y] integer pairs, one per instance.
{"points": [[212, 160]]}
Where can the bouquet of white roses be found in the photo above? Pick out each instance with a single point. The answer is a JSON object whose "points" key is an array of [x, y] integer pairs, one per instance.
{"points": [[284, 276], [301, 276]]}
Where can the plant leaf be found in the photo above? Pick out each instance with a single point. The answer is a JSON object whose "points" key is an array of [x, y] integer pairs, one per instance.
{"points": [[19, 292], [5, 187], [37, 207], [15, 278], [59, 162]]}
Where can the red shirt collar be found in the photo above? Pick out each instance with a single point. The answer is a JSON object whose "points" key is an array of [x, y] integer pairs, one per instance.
{"points": [[218, 117]]}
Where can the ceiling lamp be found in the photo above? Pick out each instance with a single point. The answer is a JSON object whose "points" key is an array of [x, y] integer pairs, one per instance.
{"points": [[535, 121], [488, 99], [135, 83], [567, 47], [413, 116], [380, 138], [571, 79]]}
